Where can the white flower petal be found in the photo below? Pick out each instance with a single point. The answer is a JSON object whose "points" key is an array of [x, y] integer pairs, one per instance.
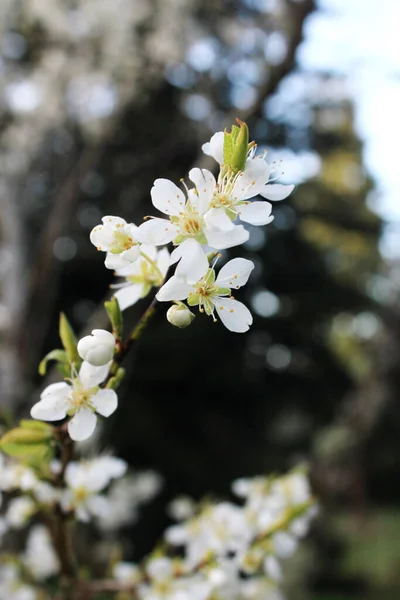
{"points": [[99, 506], [82, 425], [123, 259], [256, 213], [193, 264], [216, 218], [91, 376], [167, 197], [276, 191], [221, 240], [205, 184], [215, 147], [105, 402], [102, 236], [47, 410], [157, 232], [175, 288], [253, 179], [163, 259], [53, 404], [129, 295], [284, 544], [235, 273], [234, 315]]}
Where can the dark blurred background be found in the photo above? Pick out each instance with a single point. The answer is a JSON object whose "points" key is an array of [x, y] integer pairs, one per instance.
{"points": [[99, 98]]}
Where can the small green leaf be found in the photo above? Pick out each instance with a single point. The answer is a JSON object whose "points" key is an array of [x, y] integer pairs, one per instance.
{"points": [[58, 355], [69, 340], [115, 315]]}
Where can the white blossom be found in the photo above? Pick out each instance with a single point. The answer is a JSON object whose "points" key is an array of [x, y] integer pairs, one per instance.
{"points": [[19, 512], [147, 272], [163, 585], [119, 239], [189, 218], [98, 348], [85, 480], [125, 572], [213, 294], [39, 556], [81, 399], [12, 587], [261, 171]]}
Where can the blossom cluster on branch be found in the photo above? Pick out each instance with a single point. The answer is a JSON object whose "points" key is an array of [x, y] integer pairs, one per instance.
{"points": [[218, 550]]}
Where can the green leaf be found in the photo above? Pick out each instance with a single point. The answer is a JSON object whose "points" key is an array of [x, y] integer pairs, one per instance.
{"points": [[58, 355], [69, 340], [115, 315], [31, 445]]}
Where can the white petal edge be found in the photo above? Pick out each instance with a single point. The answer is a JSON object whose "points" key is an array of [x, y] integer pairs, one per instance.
{"points": [[157, 232], [220, 240], [129, 295], [167, 197], [215, 147], [205, 184], [91, 376], [276, 191], [256, 213], [234, 315], [105, 402], [176, 288], [235, 273], [82, 425], [193, 264]]}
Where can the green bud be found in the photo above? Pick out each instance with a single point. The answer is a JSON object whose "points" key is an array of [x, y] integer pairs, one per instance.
{"points": [[236, 145], [115, 315], [179, 315], [114, 382], [28, 444]]}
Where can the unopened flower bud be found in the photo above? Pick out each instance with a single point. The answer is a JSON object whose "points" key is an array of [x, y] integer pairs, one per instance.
{"points": [[179, 315], [98, 348]]}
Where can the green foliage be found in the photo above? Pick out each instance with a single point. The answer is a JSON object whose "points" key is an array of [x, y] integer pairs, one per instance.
{"points": [[115, 315], [69, 340], [62, 362], [115, 381], [31, 443]]}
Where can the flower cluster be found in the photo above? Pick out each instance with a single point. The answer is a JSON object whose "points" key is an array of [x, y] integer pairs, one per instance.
{"points": [[216, 551], [98, 491], [198, 220], [229, 551]]}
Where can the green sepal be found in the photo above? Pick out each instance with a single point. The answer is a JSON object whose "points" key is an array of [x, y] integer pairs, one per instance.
{"points": [[193, 299], [209, 277], [115, 315], [179, 239], [208, 306], [114, 382], [58, 355], [236, 144], [69, 340], [231, 214]]}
